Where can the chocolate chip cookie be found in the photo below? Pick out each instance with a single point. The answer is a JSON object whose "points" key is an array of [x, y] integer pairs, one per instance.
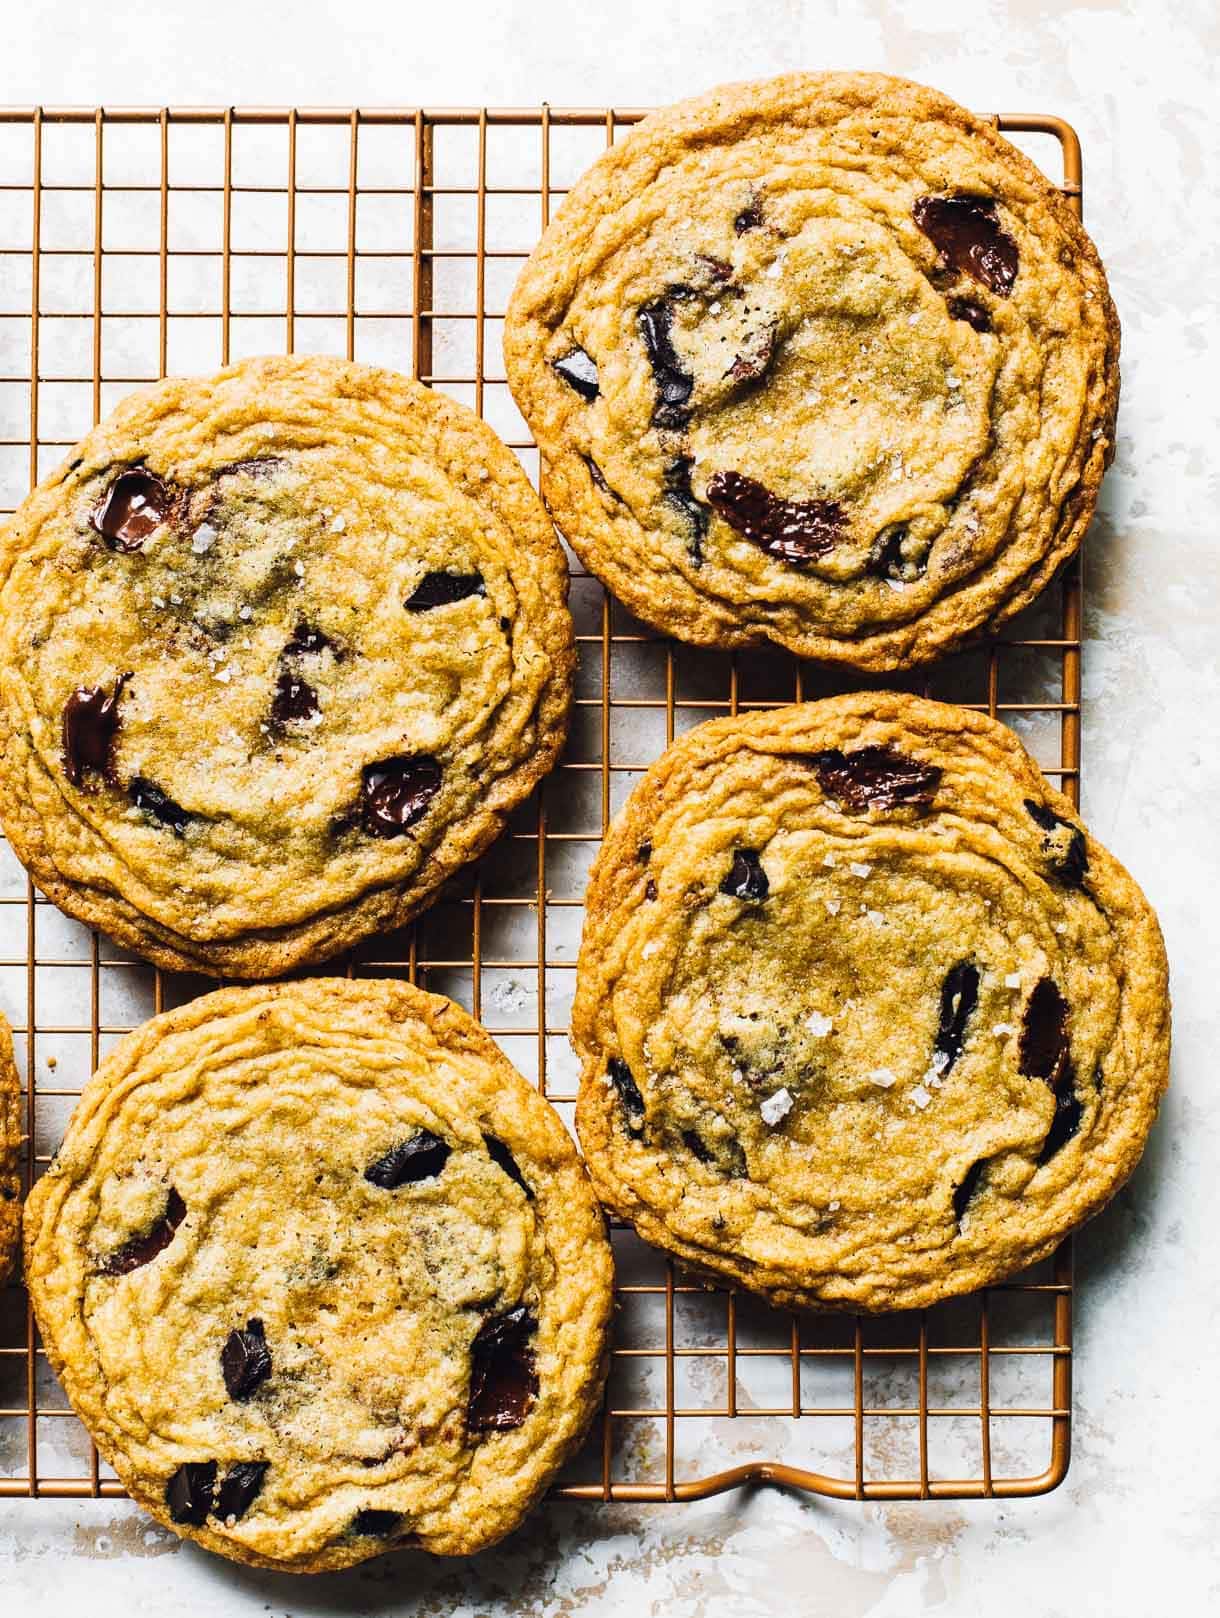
{"points": [[322, 1275], [10, 1145], [821, 360], [280, 651], [865, 1016]]}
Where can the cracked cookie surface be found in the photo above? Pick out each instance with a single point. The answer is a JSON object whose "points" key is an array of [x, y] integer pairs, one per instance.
{"points": [[822, 360], [322, 1275], [865, 1017], [11, 1136], [281, 649]]}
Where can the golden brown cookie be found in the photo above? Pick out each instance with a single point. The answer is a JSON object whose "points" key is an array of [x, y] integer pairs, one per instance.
{"points": [[322, 1275], [821, 360], [865, 1016], [11, 1136], [279, 651]]}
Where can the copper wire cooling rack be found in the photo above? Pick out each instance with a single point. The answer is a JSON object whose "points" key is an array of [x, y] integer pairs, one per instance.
{"points": [[135, 243]]}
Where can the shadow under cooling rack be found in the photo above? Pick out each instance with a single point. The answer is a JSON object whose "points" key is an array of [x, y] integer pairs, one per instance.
{"points": [[137, 243]]}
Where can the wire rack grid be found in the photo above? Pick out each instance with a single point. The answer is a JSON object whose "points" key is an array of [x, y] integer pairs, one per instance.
{"points": [[136, 243]]}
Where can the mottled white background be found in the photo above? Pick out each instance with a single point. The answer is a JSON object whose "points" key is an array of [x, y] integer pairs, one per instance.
{"points": [[1135, 1528]]}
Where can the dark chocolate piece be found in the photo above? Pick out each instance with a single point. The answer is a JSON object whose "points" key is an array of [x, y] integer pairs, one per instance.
{"points": [[886, 557], [504, 1159], [967, 233], [503, 1377], [971, 312], [374, 1524], [134, 506], [963, 1192], [307, 641], [443, 589], [750, 217], [754, 360], [90, 725], [578, 371], [674, 384], [623, 1081], [795, 531], [396, 792], [189, 1493], [151, 800], [746, 878], [245, 1360], [1064, 845], [241, 1486], [959, 995], [679, 494], [294, 702], [141, 1250], [421, 1157], [1045, 1053], [876, 777]]}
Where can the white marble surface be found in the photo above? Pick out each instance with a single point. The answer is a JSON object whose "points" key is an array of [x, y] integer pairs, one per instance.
{"points": [[1135, 1527]]}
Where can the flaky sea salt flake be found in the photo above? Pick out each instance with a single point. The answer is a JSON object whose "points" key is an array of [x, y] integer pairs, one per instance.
{"points": [[776, 1107]]}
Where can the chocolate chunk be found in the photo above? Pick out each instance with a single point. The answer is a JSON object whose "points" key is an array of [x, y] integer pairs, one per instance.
{"points": [[716, 270], [579, 372], [644, 853], [754, 360], [693, 1142], [241, 1486], [888, 559], [90, 725], [750, 217], [307, 642], [396, 792], [963, 1192], [255, 466], [373, 1524], [189, 1493], [650, 889], [959, 995], [746, 878], [504, 1159], [295, 701], [1064, 845], [628, 1092], [1043, 1050], [674, 384], [245, 1360], [1045, 1053], [596, 473], [678, 493], [150, 800], [876, 777], [967, 233], [134, 506], [141, 1250], [503, 1379], [443, 589], [421, 1157], [795, 531], [971, 312]]}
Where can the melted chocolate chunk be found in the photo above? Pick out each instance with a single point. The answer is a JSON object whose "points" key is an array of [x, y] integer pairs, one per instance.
{"points": [[959, 995], [628, 1092], [396, 792], [750, 217], [1064, 1123], [579, 372], [307, 641], [374, 1524], [134, 505], [443, 589], [754, 361], [963, 1192], [294, 702], [421, 1157], [141, 1250], [90, 725], [644, 853], [255, 466], [504, 1159], [650, 889], [679, 494], [241, 1486], [503, 1378], [971, 312], [1043, 1051], [693, 1142], [716, 270], [190, 1492], [674, 384], [746, 878], [795, 531], [150, 800], [596, 473], [887, 559], [876, 777], [1064, 844], [967, 233], [245, 1360]]}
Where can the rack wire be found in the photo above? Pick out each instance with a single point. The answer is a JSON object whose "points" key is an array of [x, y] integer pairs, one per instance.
{"points": [[136, 243]]}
